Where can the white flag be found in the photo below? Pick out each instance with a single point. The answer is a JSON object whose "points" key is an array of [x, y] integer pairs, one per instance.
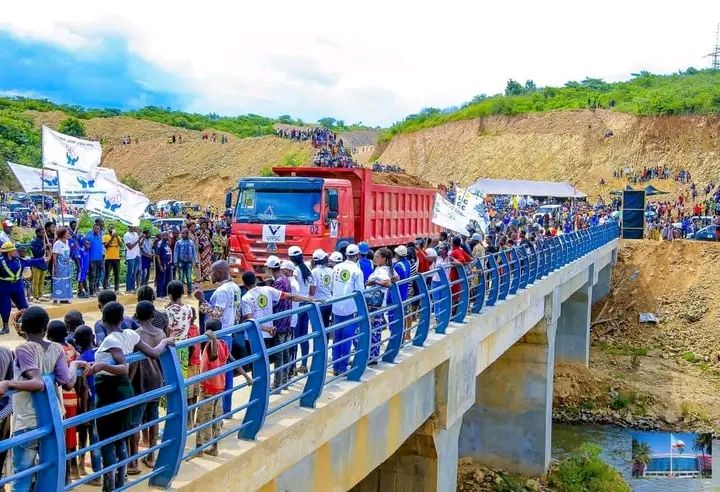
{"points": [[473, 206], [76, 183], [35, 179], [447, 215], [119, 202], [64, 151]]}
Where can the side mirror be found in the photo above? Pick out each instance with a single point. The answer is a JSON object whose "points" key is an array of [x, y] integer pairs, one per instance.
{"points": [[228, 200]]}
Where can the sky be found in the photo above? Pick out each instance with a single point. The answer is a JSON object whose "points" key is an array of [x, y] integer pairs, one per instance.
{"points": [[371, 62], [659, 442]]}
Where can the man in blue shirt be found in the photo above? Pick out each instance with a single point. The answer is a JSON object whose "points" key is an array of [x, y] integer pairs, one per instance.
{"points": [[365, 264], [97, 258]]}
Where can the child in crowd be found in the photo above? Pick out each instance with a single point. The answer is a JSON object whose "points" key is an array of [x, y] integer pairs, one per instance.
{"points": [[112, 385], [104, 297], [83, 267], [34, 358], [215, 354], [57, 332], [85, 388], [146, 376]]}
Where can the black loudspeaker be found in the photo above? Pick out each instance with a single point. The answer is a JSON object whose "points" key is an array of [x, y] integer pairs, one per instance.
{"points": [[633, 214]]}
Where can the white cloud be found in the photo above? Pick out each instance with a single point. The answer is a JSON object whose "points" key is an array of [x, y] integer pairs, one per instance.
{"points": [[376, 61]]}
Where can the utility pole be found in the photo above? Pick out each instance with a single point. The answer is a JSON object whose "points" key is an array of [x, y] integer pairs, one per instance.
{"points": [[715, 54]]}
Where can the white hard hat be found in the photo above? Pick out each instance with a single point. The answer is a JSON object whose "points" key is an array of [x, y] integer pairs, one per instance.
{"points": [[431, 253], [319, 254], [352, 250], [272, 262], [287, 265], [336, 257], [401, 250], [294, 251]]}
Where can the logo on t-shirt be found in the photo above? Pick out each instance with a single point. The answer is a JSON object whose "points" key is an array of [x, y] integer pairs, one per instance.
{"points": [[326, 280], [262, 301], [345, 275]]}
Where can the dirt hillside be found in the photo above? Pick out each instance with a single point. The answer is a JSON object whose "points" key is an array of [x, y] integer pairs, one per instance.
{"points": [[196, 169], [563, 145], [664, 375]]}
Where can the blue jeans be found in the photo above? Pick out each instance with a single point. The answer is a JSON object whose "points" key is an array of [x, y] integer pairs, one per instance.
{"points": [[24, 457], [341, 348], [301, 329], [145, 265], [132, 266], [114, 453], [184, 269]]}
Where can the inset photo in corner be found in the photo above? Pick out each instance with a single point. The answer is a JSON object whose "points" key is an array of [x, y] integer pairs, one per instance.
{"points": [[671, 455]]}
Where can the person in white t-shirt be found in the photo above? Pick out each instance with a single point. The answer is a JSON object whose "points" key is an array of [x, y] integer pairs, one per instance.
{"points": [[131, 239], [381, 277], [323, 275], [347, 278], [306, 281], [257, 303]]}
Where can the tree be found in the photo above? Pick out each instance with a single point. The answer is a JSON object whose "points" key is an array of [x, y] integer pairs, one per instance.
{"points": [[132, 182], [530, 86], [703, 444], [641, 453], [514, 88], [72, 126], [327, 122]]}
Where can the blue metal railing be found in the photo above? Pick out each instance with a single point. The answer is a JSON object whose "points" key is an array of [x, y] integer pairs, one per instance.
{"points": [[341, 350]]}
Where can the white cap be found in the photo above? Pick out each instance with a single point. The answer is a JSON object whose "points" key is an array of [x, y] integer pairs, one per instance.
{"points": [[336, 257], [7, 223], [431, 253], [294, 251], [352, 250], [272, 262], [287, 265], [401, 250], [319, 254]]}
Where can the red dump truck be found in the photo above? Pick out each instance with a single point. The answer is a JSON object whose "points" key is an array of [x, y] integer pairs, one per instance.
{"points": [[316, 207]]}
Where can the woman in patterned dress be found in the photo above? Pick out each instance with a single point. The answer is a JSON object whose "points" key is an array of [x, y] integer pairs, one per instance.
{"points": [[206, 250]]}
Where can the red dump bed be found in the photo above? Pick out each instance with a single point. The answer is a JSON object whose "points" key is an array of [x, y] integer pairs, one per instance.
{"points": [[385, 215]]}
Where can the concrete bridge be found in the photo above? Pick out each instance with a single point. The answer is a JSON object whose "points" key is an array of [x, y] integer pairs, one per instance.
{"points": [[482, 389], [472, 376]]}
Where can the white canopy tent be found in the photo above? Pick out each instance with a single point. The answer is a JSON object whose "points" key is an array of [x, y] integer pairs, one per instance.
{"points": [[525, 187]]}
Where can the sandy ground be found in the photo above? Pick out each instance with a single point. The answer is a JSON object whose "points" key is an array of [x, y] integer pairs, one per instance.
{"points": [[667, 373]]}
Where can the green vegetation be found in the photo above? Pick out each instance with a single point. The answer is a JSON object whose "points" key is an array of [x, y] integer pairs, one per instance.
{"points": [[641, 453], [703, 445], [72, 126], [132, 182], [623, 350], [690, 357], [585, 471], [689, 92]]}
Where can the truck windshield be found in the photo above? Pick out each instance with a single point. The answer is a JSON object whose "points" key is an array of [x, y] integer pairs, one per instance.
{"points": [[278, 206]]}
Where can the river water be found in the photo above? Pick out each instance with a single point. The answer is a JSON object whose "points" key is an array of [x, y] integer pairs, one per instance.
{"points": [[615, 443]]}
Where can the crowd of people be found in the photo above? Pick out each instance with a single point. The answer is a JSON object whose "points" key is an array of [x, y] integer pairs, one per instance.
{"points": [[330, 150], [379, 167], [85, 263], [686, 215], [653, 172]]}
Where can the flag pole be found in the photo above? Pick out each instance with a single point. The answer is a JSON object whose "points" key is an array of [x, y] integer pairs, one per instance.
{"points": [[671, 454]]}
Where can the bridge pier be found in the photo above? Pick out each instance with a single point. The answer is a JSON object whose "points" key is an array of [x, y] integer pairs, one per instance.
{"points": [[426, 462], [572, 340], [602, 286], [510, 424]]}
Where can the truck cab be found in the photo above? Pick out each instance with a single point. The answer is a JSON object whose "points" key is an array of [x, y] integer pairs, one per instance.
{"points": [[270, 214]]}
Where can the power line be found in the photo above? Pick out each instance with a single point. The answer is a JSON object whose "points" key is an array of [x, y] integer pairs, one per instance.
{"points": [[715, 55]]}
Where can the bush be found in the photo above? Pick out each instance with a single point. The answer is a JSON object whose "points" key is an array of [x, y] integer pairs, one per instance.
{"points": [[585, 471], [72, 126], [689, 92], [132, 182]]}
